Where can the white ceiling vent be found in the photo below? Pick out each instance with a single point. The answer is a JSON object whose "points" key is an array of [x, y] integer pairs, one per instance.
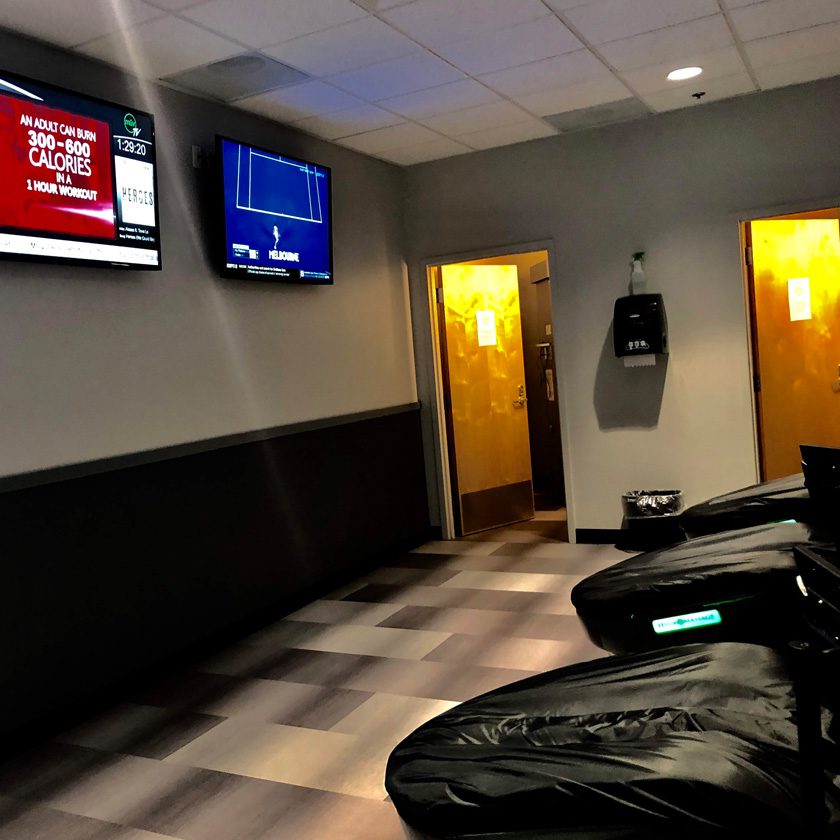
{"points": [[598, 115], [243, 75]]}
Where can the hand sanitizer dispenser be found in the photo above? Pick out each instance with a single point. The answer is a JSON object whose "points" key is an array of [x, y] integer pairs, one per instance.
{"points": [[640, 329]]}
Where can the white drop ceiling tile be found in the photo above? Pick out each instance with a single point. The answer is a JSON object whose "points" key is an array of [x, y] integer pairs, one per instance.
{"points": [[297, 102], [263, 23], [161, 47], [725, 88], [346, 47], [574, 97], [394, 137], [725, 62], [504, 135], [564, 5], [363, 117], [560, 71], [796, 72], [775, 17], [477, 119], [737, 4], [671, 44], [442, 99], [436, 150], [437, 22], [380, 5], [520, 44], [72, 22], [795, 46], [174, 5], [612, 20], [400, 75]]}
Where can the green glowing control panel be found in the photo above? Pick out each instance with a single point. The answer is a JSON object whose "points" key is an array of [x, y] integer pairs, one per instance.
{"points": [[689, 621]]}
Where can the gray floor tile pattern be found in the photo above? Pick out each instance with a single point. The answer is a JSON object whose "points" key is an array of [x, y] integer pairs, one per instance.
{"points": [[284, 735]]}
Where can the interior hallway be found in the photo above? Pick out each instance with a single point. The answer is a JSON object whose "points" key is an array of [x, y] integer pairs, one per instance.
{"points": [[285, 734]]}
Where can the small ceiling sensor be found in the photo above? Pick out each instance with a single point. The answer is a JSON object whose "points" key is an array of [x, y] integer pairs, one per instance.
{"points": [[684, 73]]}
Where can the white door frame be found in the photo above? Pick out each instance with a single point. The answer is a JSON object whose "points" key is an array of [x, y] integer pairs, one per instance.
{"points": [[432, 352]]}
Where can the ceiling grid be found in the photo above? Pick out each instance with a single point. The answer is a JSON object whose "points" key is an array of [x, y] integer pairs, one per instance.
{"points": [[416, 80]]}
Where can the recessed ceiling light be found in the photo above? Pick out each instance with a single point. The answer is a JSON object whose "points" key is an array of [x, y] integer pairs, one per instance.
{"points": [[684, 73]]}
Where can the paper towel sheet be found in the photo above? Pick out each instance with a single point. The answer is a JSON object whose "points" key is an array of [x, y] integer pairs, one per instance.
{"points": [[648, 360]]}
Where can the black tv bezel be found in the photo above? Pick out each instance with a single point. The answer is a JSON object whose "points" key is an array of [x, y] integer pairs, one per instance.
{"points": [[71, 261], [243, 274]]}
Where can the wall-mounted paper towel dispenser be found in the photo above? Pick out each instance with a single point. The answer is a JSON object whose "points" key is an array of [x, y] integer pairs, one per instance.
{"points": [[640, 327]]}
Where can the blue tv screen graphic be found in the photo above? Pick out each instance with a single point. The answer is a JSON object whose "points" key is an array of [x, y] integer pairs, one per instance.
{"points": [[277, 216]]}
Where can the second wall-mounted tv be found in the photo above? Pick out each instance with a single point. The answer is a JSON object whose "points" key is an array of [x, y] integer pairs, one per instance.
{"points": [[77, 178], [277, 215]]}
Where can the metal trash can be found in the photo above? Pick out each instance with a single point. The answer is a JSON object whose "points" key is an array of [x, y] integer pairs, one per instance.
{"points": [[643, 503], [651, 518]]}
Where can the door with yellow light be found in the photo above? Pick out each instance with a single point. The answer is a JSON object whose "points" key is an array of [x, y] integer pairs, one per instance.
{"points": [[794, 279], [484, 395]]}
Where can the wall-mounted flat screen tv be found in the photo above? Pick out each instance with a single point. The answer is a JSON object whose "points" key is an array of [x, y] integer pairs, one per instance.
{"points": [[78, 178], [277, 215]]}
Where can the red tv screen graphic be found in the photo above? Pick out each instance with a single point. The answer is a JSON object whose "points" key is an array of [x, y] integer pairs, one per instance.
{"points": [[56, 171]]}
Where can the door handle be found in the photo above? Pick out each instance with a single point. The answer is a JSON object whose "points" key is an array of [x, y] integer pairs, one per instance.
{"points": [[835, 386], [522, 399]]}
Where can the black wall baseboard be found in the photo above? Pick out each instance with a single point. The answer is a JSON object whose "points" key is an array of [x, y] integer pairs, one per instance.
{"points": [[111, 574], [599, 536]]}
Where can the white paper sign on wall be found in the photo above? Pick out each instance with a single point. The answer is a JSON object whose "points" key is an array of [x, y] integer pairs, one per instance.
{"points": [[485, 320], [799, 299]]}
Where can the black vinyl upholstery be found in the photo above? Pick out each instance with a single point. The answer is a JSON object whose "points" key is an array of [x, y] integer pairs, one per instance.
{"points": [[747, 575], [760, 504], [695, 741]]}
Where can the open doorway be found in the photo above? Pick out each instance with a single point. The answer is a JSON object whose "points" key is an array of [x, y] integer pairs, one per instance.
{"points": [[495, 351], [793, 283]]}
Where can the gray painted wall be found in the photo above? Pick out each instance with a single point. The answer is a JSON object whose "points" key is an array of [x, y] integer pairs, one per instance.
{"points": [[674, 186], [97, 362]]}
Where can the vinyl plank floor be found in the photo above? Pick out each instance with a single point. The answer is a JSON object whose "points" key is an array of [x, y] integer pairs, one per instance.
{"points": [[343, 612], [433, 680], [558, 515], [554, 563], [110, 791], [336, 817], [141, 730], [284, 734], [408, 576], [37, 822], [49, 768], [514, 582], [389, 718], [459, 547], [509, 535], [596, 554], [349, 638], [479, 599], [497, 652], [225, 806], [274, 752], [272, 701], [483, 622]]}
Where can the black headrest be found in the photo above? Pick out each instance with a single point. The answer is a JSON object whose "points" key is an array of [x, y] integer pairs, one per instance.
{"points": [[821, 465], [819, 576]]}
